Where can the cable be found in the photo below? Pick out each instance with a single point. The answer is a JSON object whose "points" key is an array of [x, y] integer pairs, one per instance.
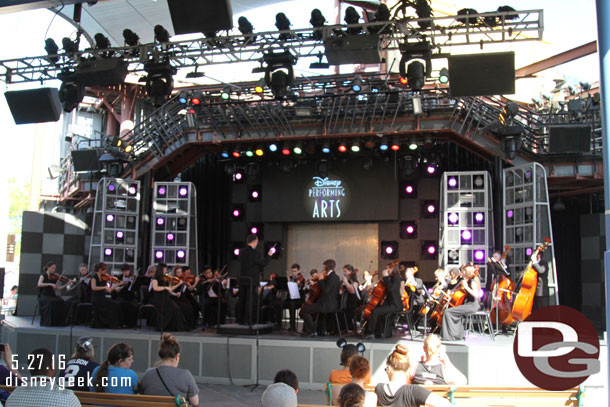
{"points": [[229, 362], [55, 15]]}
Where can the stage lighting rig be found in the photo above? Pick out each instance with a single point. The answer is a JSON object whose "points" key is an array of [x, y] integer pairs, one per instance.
{"points": [[52, 49], [317, 21], [161, 34], [279, 72], [319, 64], [352, 17], [415, 73], [443, 76], [245, 27], [382, 14], [113, 162], [159, 81], [283, 24], [131, 39], [70, 47], [71, 93], [472, 21]]}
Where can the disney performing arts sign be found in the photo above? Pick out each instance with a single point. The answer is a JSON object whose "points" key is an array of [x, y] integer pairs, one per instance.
{"points": [[327, 198]]}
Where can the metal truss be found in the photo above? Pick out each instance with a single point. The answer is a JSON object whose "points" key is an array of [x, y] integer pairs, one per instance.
{"points": [[439, 32]]}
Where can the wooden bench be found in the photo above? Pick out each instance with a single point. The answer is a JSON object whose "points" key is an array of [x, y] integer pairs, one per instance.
{"points": [[499, 396], [90, 399]]}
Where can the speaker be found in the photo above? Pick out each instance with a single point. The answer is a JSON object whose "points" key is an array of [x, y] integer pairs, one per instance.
{"points": [[101, 72], [353, 49], [85, 160], [574, 138], [200, 16], [482, 74], [34, 105]]}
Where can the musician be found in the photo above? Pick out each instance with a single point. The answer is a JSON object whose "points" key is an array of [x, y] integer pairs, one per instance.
{"points": [[441, 278], [366, 288], [393, 302], [80, 289], [414, 287], [453, 278], [453, 327], [52, 307], [252, 264], [542, 289], [295, 276], [125, 295], [328, 300], [169, 315], [213, 287], [191, 313], [350, 287], [496, 266], [107, 313]]}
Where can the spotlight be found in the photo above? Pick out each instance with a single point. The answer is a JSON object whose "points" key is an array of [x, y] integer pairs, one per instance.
{"points": [[279, 73], [120, 234], [453, 218], [69, 46], [352, 17], [224, 154], [183, 97], [109, 218], [342, 147], [131, 38], [431, 169], [238, 212], [452, 182], [249, 152], [239, 176], [317, 20], [298, 149], [161, 34], [429, 250], [395, 144], [528, 251], [383, 144], [254, 193], [237, 246], [159, 254], [443, 76], [161, 191], [183, 191], [196, 99], [408, 190], [70, 95], [355, 146], [416, 75], [413, 144], [479, 218], [159, 81], [408, 230], [169, 237], [101, 41], [285, 151], [389, 249], [326, 148], [259, 152], [403, 80], [108, 252], [160, 222], [260, 86], [509, 213], [479, 256], [52, 49], [226, 93], [357, 84], [283, 24], [181, 254], [273, 147], [429, 209], [245, 27], [132, 190], [466, 236]]}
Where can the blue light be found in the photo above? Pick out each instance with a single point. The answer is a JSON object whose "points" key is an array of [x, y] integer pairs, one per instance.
{"points": [[356, 87], [182, 99], [273, 147], [383, 147], [224, 154], [325, 150]]}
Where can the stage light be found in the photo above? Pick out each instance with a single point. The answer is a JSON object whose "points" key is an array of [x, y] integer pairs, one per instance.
{"points": [[238, 176], [413, 144], [453, 218], [282, 23], [260, 86], [407, 189], [342, 147], [285, 151], [132, 190], [395, 144], [108, 252], [429, 209], [52, 49], [528, 251], [254, 193], [224, 154], [443, 76], [236, 251], [273, 147], [161, 34], [317, 20], [326, 148], [416, 75], [479, 218], [389, 249], [466, 235], [259, 152], [245, 27], [452, 182], [453, 256], [431, 169], [109, 218], [429, 250], [160, 221], [253, 230], [226, 93], [71, 94], [101, 41], [196, 99], [131, 39], [352, 17], [383, 144], [298, 150], [170, 237], [69, 46], [159, 254], [238, 212], [403, 80], [479, 256], [159, 81], [183, 97], [279, 73], [236, 154], [408, 230], [111, 187], [181, 254], [183, 191], [509, 213], [355, 146], [249, 153], [120, 234], [128, 148], [357, 84]]}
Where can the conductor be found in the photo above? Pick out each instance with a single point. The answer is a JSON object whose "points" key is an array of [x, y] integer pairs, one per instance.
{"points": [[251, 267]]}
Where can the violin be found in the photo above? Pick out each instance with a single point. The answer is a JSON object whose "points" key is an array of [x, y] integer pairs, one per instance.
{"points": [[110, 278], [59, 277], [172, 279]]}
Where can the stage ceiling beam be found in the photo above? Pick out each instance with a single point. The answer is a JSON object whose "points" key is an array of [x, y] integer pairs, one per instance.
{"points": [[555, 60]]}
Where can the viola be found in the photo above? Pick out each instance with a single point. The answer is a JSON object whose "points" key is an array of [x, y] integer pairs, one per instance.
{"points": [[524, 300]]}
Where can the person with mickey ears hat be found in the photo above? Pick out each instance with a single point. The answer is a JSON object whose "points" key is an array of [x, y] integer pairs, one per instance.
{"points": [[79, 369]]}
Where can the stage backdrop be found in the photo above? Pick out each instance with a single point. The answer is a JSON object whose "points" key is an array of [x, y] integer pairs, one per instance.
{"points": [[342, 192]]}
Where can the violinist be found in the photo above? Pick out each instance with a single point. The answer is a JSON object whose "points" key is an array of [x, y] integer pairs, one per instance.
{"points": [[350, 287], [326, 302], [414, 287], [212, 288], [189, 292], [169, 316], [80, 289], [126, 297], [393, 302], [52, 307], [295, 276], [107, 313], [452, 328], [182, 293], [366, 288]]}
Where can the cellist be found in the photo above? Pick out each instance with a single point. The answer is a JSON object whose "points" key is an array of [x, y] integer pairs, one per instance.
{"points": [[328, 300], [394, 284], [496, 267], [452, 328]]}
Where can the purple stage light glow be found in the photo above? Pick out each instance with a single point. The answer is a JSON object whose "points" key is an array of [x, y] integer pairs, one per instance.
{"points": [[479, 255], [109, 217], [255, 194], [482, 293], [410, 229], [238, 176], [431, 208], [180, 254], [431, 169], [108, 252], [254, 230], [160, 221], [111, 187], [431, 249], [133, 190], [452, 182], [183, 191], [454, 218], [479, 217], [235, 213], [389, 250], [159, 254], [170, 236], [236, 252], [409, 189], [466, 234], [120, 234], [509, 213], [161, 191], [528, 251]]}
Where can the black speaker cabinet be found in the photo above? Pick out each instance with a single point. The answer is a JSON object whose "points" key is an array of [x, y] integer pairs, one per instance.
{"points": [[200, 16], [574, 138], [85, 160], [34, 105], [482, 74]]}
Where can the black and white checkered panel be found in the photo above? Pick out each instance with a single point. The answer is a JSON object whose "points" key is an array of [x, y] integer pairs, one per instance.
{"points": [[58, 237], [592, 247]]}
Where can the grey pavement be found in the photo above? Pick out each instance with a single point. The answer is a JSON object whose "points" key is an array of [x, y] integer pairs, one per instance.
{"points": [[225, 396]]}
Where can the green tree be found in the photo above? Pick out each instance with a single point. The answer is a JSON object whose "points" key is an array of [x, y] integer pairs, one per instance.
{"points": [[18, 201]]}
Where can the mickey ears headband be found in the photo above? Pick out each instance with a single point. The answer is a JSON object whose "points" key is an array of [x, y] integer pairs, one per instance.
{"points": [[85, 343], [341, 342]]}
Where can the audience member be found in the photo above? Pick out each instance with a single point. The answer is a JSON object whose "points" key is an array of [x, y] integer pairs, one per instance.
{"points": [[80, 367], [167, 379], [289, 377], [342, 376], [115, 375], [8, 375], [352, 395], [436, 368], [41, 390], [279, 395], [360, 371], [399, 394]]}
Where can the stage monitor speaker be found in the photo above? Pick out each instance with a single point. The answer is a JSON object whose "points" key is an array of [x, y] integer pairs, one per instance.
{"points": [[482, 74], [570, 138], [101, 72], [34, 105], [200, 16], [352, 49], [86, 160]]}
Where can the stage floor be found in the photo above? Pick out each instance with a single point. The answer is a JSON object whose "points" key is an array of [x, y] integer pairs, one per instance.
{"points": [[243, 360]]}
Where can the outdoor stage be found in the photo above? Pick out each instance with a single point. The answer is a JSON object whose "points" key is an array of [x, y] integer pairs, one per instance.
{"points": [[256, 359]]}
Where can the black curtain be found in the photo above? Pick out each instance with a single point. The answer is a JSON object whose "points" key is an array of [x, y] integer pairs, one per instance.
{"points": [[213, 209], [566, 244]]}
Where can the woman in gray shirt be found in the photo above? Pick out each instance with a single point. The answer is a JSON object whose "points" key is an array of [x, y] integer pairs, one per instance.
{"points": [[166, 379]]}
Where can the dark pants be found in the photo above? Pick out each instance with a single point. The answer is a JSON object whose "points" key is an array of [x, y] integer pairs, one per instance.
{"points": [[378, 315], [307, 313], [247, 304], [292, 306], [453, 321]]}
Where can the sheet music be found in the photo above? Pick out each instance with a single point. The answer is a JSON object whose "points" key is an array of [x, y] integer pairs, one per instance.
{"points": [[293, 289]]}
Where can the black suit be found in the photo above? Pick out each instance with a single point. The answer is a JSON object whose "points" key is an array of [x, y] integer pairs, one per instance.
{"points": [[252, 264], [327, 302], [393, 303]]}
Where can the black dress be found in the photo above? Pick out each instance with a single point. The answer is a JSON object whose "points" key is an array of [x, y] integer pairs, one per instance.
{"points": [[126, 297], [107, 313], [169, 314], [53, 309], [185, 306]]}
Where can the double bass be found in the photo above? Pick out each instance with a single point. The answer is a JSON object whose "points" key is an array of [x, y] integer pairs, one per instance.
{"points": [[524, 300], [502, 301]]}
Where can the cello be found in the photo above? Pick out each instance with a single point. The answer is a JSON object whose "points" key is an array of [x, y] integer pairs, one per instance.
{"points": [[524, 300], [377, 296], [502, 296]]}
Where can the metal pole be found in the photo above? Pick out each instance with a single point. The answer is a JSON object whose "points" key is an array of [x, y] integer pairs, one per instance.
{"points": [[603, 44]]}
